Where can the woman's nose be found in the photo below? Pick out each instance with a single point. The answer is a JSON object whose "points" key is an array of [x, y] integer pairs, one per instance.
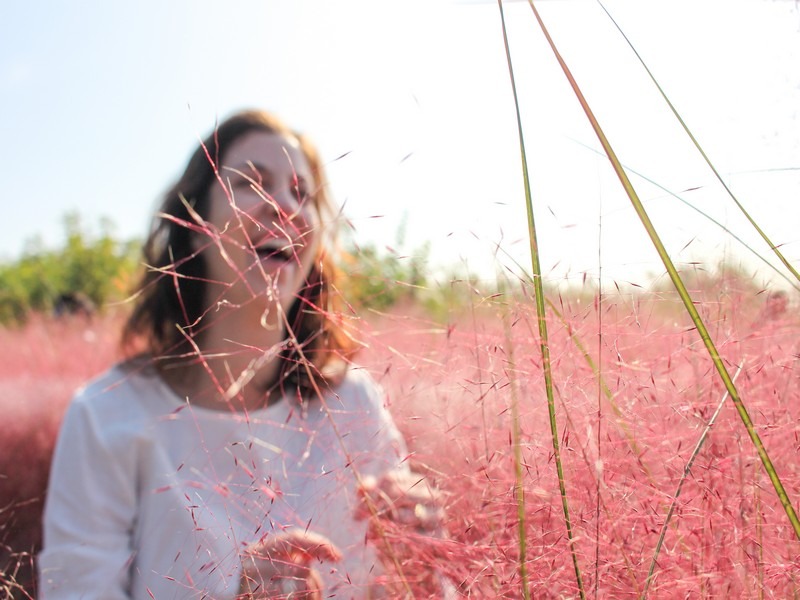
{"points": [[293, 212]]}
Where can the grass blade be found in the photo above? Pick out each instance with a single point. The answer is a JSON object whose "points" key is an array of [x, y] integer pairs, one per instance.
{"points": [[595, 368], [705, 215], [686, 471], [761, 232], [680, 287], [605, 390], [519, 489], [540, 312]]}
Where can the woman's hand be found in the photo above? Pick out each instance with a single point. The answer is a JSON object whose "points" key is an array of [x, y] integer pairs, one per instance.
{"points": [[406, 517], [404, 498], [279, 566]]}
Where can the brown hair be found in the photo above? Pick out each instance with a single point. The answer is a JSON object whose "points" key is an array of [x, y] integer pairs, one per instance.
{"points": [[171, 291]]}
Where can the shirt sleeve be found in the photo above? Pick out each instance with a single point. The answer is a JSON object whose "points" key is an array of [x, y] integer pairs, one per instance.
{"points": [[89, 512], [386, 447]]}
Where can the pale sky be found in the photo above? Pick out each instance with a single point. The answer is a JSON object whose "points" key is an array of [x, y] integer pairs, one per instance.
{"points": [[102, 103]]}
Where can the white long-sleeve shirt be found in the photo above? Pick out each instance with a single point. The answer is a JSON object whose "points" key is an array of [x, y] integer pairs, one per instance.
{"points": [[150, 497]]}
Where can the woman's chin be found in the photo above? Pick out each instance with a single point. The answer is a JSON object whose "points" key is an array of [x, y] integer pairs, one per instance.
{"points": [[279, 288], [271, 276]]}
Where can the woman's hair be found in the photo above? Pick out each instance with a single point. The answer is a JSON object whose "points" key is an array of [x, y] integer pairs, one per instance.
{"points": [[170, 299]]}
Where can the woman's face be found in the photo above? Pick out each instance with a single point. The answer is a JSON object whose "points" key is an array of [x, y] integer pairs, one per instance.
{"points": [[263, 224]]}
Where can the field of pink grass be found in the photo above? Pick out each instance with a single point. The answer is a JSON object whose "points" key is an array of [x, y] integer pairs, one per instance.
{"points": [[41, 366], [449, 387]]}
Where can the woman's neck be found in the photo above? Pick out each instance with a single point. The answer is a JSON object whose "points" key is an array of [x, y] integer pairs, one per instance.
{"points": [[236, 365]]}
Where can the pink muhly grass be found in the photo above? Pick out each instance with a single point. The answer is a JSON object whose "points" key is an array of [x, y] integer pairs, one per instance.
{"points": [[41, 366], [451, 397], [724, 534]]}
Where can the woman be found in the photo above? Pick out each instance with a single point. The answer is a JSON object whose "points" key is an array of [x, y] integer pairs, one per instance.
{"points": [[228, 455]]}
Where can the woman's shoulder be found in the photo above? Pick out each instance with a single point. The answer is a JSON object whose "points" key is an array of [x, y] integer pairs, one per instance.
{"points": [[360, 387], [362, 411], [125, 391], [359, 401]]}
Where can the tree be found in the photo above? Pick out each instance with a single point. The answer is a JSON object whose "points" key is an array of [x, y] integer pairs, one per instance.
{"points": [[94, 267]]}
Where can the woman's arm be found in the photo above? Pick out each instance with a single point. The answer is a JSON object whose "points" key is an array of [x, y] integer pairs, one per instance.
{"points": [[89, 512], [405, 510]]}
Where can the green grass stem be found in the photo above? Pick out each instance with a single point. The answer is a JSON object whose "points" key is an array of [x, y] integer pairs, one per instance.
{"points": [[598, 481], [541, 317], [612, 526], [606, 391], [519, 488], [599, 377]]}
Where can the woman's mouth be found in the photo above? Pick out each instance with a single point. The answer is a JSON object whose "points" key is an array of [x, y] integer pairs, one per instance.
{"points": [[275, 251]]}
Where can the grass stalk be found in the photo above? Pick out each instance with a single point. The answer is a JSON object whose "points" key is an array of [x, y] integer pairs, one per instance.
{"points": [[593, 472], [481, 394], [519, 489], [598, 487], [705, 215], [759, 536], [686, 470], [730, 193], [680, 287], [606, 391], [601, 382], [541, 317], [601, 504]]}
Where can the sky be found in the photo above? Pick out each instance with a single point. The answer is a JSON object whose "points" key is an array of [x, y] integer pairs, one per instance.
{"points": [[410, 103]]}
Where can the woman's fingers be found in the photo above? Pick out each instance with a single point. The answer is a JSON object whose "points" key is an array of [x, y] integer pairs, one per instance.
{"points": [[307, 587], [406, 516], [296, 545], [279, 565], [424, 517], [404, 497]]}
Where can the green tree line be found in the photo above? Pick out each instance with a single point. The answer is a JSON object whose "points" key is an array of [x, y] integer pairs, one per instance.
{"points": [[92, 264]]}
